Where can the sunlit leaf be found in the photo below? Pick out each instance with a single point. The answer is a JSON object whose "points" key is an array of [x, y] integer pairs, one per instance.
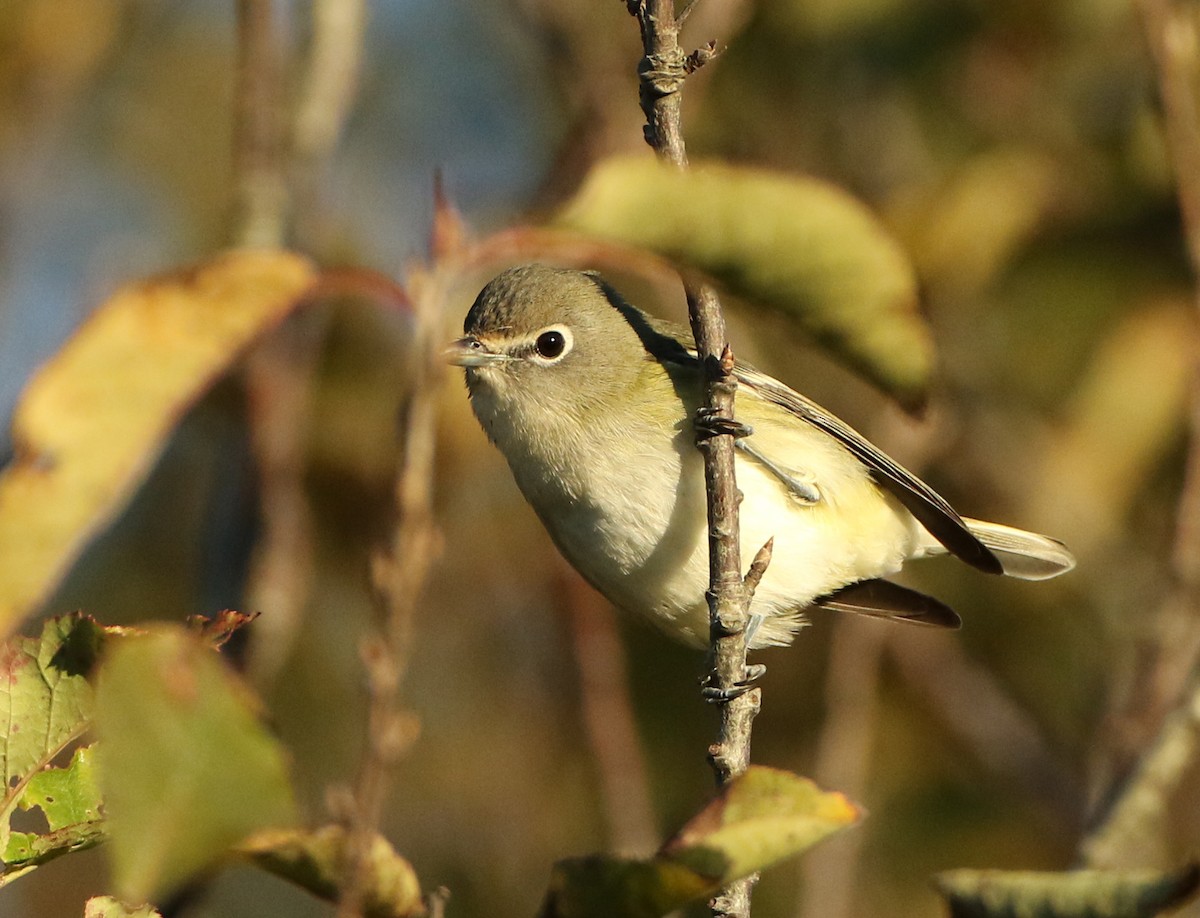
{"points": [[94, 418], [185, 766], [108, 907], [45, 705], [1075, 894], [70, 801], [315, 860], [762, 817], [797, 244], [45, 698]]}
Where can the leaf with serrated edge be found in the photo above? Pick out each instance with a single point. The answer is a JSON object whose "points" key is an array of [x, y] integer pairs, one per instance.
{"points": [[91, 422], [758, 819], [45, 701], [185, 767], [1091, 893], [794, 243]]}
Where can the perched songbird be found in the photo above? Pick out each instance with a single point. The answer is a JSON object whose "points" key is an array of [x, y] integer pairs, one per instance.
{"points": [[593, 404]]}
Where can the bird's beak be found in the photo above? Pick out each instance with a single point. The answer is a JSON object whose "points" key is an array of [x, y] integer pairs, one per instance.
{"points": [[469, 351]]}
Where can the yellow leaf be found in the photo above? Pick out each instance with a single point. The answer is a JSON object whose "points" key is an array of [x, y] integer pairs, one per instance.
{"points": [[793, 243], [91, 422], [758, 819]]}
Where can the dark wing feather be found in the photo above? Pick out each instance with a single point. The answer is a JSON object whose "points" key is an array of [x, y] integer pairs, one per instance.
{"points": [[884, 599], [929, 507]]}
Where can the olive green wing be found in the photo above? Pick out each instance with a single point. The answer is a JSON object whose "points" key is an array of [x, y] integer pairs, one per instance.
{"points": [[929, 507], [673, 346]]}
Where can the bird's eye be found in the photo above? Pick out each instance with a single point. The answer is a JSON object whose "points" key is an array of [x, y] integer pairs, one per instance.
{"points": [[553, 343]]}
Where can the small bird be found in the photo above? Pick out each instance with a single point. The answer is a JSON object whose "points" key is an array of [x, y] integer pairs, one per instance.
{"points": [[594, 405]]}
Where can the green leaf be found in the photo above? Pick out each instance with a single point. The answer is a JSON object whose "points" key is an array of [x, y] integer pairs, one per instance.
{"points": [[797, 244], [1074, 894], [91, 422], [315, 860], [70, 801], [185, 766], [757, 820], [763, 817], [45, 705], [108, 907], [68, 796]]}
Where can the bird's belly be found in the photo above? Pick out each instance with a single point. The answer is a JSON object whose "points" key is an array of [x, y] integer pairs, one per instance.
{"points": [[646, 548]]}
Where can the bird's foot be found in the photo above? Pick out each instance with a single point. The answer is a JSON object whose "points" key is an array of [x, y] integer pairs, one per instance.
{"points": [[713, 693], [710, 424]]}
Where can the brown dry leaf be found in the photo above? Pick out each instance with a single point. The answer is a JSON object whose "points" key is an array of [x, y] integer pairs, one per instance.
{"points": [[94, 418]]}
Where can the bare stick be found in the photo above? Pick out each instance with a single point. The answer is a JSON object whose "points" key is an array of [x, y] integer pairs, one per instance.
{"points": [[398, 574], [260, 192], [1130, 826], [277, 380], [662, 70], [278, 383], [844, 757], [326, 92], [608, 717], [279, 374]]}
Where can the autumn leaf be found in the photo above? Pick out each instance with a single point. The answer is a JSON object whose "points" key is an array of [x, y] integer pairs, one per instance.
{"points": [[93, 420], [793, 243]]}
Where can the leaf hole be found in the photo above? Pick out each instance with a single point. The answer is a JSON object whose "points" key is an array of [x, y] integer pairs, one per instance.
{"points": [[32, 820]]}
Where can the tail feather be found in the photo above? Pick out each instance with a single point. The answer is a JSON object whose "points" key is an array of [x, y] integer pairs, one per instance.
{"points": [[1025, 555]]}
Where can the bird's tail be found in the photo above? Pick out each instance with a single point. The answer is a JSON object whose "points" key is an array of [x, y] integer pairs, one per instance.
{"points": [[1025, 555]]}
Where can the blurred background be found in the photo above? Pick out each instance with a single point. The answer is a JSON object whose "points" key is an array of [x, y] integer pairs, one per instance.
{"points": [[1016, 151]]}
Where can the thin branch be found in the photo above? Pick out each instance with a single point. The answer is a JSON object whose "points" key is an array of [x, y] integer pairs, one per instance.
{"points": [[398, 575], [1131, 833], [279, 375], [1130, 825], [278, 383], [843, 759], [260, 188], [662, 71], [326, 93], [608, 718]]}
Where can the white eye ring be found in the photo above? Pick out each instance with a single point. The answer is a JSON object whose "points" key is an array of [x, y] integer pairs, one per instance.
{"points": [[551, 345]]}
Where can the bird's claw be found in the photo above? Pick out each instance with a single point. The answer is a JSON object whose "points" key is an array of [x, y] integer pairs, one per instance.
{"points": [[710, 424], [715, 694]]}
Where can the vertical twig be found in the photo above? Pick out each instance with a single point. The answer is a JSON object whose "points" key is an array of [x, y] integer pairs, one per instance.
{"points": [[398, 574], [279, 373], [278, 384], [608, 718], [260, 190], [662, 71], [326, 92], [1129, 827], [277, 389], [843, 758]]}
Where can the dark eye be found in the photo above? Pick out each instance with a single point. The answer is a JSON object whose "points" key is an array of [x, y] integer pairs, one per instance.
{"points": [[551, 344]]}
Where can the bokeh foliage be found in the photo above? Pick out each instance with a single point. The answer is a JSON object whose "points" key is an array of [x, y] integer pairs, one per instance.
{"points": [[1014, 149]]}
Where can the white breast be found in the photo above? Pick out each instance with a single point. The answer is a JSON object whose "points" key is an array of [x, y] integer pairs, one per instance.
{"points": [[632, 520]]}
